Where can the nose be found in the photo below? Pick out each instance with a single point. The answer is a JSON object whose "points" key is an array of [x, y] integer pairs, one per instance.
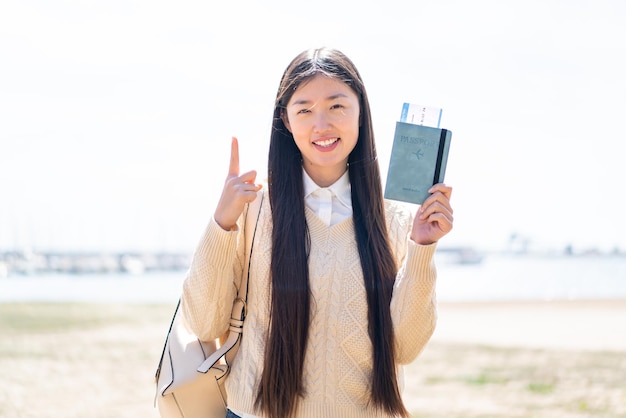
{"points": [[322, 122]]}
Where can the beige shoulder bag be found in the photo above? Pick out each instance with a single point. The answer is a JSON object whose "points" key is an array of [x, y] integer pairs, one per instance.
{"points": [[191, 373]]}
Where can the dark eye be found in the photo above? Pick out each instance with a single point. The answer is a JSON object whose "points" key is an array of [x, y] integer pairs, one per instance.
{"points": [[302, 111], [337, 106]]}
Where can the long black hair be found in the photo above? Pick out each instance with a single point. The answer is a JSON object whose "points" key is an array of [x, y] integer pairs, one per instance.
{"points": [[281, 383]]}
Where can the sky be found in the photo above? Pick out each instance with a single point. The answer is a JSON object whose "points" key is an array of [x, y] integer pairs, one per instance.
{"points": [[116, 116]]}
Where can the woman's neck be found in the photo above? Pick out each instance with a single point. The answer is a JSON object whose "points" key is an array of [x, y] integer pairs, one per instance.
{"points": [[324, 177]]}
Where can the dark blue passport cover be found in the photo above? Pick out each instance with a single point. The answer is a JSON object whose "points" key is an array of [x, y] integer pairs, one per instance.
{"points": [[419, 156]]}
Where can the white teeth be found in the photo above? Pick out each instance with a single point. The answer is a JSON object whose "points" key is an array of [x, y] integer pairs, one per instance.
{"points": [[327, 142]]}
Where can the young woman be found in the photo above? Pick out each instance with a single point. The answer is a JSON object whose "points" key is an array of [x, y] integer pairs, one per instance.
{"points": [[342, 282]]}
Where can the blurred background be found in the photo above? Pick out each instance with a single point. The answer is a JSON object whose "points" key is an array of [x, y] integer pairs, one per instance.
{"points": [[116, 119]]}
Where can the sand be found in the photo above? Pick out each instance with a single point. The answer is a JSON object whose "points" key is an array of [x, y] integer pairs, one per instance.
{"points": [[523, 359], [569, 325]]}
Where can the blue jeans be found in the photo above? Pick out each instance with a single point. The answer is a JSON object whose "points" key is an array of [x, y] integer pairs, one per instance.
{"points": [[231, 414]]}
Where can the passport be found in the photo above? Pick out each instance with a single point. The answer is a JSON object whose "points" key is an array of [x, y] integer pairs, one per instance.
{"points": [[419, 156]]}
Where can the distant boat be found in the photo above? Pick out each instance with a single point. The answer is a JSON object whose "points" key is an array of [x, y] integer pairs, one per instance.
{"points": [[459, 255]]}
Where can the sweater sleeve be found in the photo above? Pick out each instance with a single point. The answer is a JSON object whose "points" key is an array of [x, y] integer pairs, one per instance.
{"points": [[413, 304], [210, 285]]}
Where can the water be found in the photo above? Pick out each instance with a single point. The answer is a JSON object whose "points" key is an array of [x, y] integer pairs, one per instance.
{"points": [[534, 278], [498, 278], [142, 288]]}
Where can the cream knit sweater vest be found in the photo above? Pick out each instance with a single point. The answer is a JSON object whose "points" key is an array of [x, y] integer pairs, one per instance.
{"points": [[338, 360]]}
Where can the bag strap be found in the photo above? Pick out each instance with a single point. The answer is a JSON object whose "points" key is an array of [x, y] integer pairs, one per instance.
{"points": [[254, 208], [238, 313], [169, 332]]}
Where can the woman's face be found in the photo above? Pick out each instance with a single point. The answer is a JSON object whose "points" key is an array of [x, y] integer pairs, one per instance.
{"points": [[323, 116]]}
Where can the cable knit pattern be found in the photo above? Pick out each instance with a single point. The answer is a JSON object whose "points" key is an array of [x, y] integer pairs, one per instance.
{"points": [[338, 360]]}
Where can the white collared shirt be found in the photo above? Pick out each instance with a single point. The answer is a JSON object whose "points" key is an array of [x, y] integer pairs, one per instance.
{"points": [[332, 204]]}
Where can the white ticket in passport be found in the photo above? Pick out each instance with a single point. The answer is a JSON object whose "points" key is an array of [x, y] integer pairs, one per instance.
{"points": [[420, 115]]}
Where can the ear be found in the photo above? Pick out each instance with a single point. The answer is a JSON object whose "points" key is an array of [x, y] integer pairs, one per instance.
{"points": [[285, 118]]}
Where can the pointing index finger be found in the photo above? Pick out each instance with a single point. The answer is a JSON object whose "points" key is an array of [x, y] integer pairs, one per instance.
{"points": [[233, 169]]}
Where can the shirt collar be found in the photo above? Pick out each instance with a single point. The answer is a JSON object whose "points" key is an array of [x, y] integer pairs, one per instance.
{"points": [[341, 188]]}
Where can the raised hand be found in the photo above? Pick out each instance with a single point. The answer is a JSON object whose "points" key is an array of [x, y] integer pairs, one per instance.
{"points": [[238, 190], [434, 218]]}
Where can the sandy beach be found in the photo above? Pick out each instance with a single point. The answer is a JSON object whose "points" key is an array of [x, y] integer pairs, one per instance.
{"points": [[564, 325], [518, 359]]}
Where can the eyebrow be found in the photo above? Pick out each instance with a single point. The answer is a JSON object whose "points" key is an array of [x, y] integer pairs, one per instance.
{"points": [[333, 97]]}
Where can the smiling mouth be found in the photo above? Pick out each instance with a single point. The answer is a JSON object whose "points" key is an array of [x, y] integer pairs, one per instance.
{"points": [[326, 143]]}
